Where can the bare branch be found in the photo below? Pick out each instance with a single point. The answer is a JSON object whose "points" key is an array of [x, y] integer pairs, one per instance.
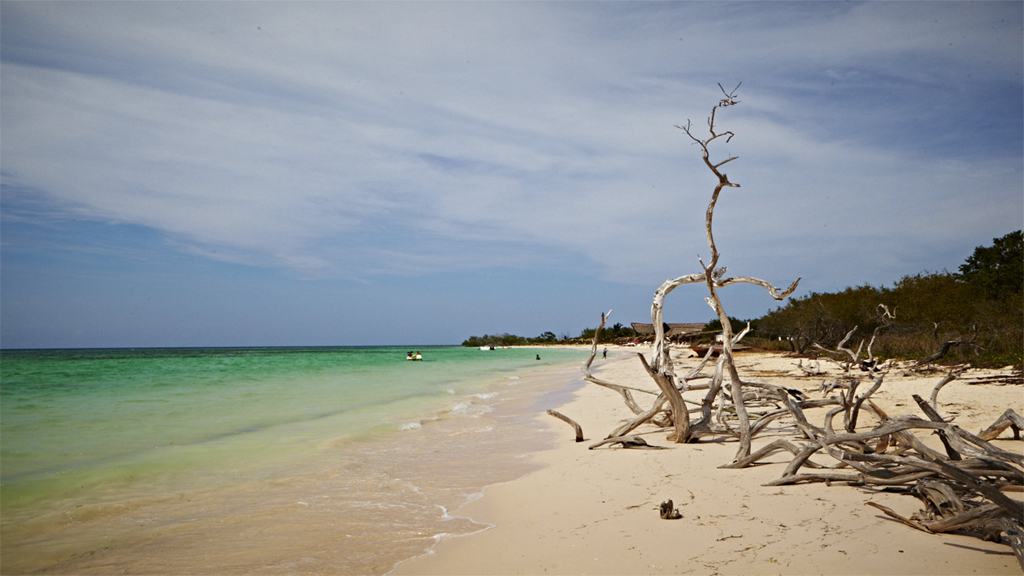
{"points": [[570, 422], [775, 292], [953, 375]]}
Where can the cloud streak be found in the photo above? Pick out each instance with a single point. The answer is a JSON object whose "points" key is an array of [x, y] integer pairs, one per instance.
{"points": [[359, 140]]}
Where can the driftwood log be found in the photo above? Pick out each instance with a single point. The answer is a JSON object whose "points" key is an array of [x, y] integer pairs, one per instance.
{"points": [[570, 422]]}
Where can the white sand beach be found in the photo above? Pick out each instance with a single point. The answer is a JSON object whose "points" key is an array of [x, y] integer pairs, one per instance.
{"points": [[596, 511]]}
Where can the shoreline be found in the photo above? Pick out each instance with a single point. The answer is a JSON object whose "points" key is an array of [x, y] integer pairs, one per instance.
{"points": [[596, 511], [351, 499]]}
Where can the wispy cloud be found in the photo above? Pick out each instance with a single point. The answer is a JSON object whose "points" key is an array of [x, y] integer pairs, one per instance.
{"points": [[362, 139]]}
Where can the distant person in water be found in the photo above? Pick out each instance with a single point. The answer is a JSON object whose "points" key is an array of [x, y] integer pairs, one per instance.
{"points": [[538, 356]]}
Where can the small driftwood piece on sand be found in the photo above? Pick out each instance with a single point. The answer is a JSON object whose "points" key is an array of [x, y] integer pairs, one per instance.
{"points": [[570, 422], [628, 441]]}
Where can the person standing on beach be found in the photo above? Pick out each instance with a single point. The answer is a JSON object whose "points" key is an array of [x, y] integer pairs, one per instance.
{"points": [[605, 355]]}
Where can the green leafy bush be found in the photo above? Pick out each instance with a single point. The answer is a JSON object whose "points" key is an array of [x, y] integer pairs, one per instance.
{"points": [[982, 307]]}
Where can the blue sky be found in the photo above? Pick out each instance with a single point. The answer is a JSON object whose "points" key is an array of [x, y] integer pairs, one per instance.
{"points": [[343, 173]]}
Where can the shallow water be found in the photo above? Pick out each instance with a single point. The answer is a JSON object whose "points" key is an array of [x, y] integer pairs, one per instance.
{"points": [[318, 461]]}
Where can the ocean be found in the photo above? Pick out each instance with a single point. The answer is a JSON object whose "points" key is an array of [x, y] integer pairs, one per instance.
{"points": [[259, 460]]}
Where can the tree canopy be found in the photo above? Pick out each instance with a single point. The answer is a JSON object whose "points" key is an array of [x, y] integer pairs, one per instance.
{"points": [[985, 299], [997, 269]]}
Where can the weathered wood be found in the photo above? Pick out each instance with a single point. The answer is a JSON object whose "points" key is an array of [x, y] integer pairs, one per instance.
{"points": [[860, 400], [1014, 536], [932, 413], [959, 437], [1014, 507], [964, 519], [624, 391], [629, 441], [713, 274], [640, 418], [822, 476], [768, 450], [829, 429], [627, 397], [891, 427], [940, 496], [569, 421], [680, 415], [808, 370], [890, 513], [935, 391], [1008, 419], [801, 458]]}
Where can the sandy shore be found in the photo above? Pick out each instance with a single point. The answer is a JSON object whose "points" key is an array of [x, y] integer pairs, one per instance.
{"points": [[596, 511]]}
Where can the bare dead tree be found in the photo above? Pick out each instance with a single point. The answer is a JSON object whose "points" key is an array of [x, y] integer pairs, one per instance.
{"points": [[712, 275], [660, 367]]}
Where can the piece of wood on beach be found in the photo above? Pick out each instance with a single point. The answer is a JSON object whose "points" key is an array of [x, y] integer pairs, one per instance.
{"points": [[1009, 419], [628, 441], [569, 421]]}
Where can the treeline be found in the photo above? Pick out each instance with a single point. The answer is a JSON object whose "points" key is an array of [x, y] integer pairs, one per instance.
{"points": [[979, 310], [609, 335], [509, 340]]}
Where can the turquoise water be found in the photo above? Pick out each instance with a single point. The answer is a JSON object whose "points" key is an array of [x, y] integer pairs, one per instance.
{"points": [[95, 440]]}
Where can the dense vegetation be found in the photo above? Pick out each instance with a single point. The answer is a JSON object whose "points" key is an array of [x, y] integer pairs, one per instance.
{"points": [[610, 334], [981, 308]]}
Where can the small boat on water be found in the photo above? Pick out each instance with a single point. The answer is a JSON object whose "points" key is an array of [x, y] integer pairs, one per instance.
{"points": [[415, 357], [487, 347]]}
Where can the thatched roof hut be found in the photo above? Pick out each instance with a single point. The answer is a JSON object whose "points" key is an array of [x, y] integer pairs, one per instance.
{"points": [[673, 332]]}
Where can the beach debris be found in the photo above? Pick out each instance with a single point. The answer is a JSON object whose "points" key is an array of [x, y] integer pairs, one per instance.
{"points": [[628, 441], [1008, 419], [810, 370], [868, 364], [569, 421], [668, 511], [962, 490]]}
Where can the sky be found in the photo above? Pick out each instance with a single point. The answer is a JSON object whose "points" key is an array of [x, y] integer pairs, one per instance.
{"points": [[367, 173]]}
